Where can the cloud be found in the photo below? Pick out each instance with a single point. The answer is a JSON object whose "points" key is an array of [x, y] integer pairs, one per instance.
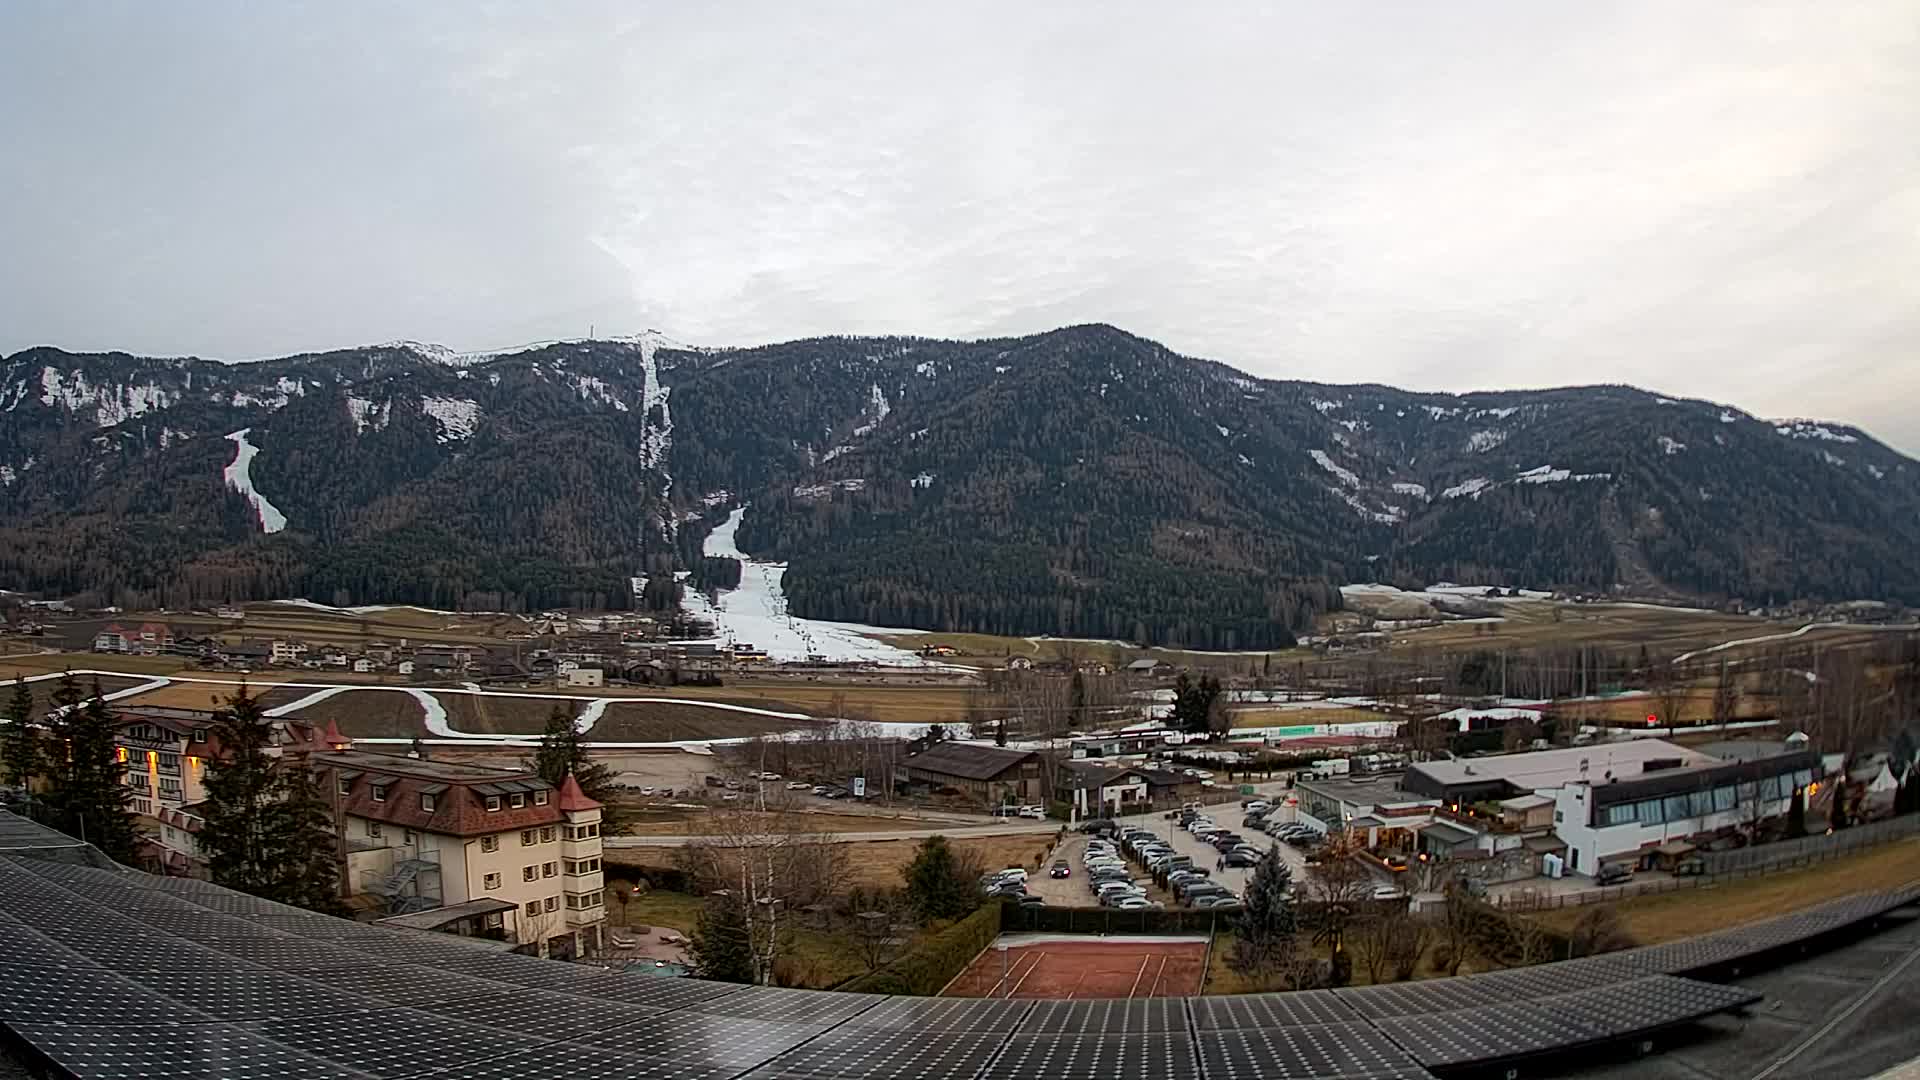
{"points": [[1712, 201]]}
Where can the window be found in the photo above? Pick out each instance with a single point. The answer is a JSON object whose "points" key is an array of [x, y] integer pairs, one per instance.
{"points": [[170, 787], [517, 800], [1700, 803], [549, 869], [1559, 817], [409, 836], [169, 763], [142, 806], [373, 829], [1621, 814], [379, 793], [493, 803], [586, 902], [529, 873], [553, 903], [582, 866], [199, 734], [426, 802], [527, 837], [539, 798], [489, 844], [1724, 798], [582, 832], [491, 881], [137, 781], [533, 907], [546, 835], [1675, 807]]}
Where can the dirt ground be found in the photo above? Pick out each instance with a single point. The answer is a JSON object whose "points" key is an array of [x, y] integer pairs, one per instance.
{"points": [[1053, 969], [878, 864], [197, 695], [370, 714]]}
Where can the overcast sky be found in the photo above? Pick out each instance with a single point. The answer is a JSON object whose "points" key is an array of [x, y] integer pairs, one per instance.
{"points": [[1719, 200]]}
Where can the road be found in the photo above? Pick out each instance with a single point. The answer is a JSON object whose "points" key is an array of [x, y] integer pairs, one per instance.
{"points": [[1025, 828], [1226, 815]]}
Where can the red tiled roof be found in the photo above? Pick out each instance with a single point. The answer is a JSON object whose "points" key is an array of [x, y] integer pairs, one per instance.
{"points": [[458, 809], [572, 799]]}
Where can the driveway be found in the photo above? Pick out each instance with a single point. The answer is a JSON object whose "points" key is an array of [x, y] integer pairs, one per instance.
{"points": [[1227, 815]]}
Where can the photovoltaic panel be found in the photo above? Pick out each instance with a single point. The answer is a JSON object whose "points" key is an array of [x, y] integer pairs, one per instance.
{"points": [[1107, 1016], [818, 1007], [1646, 1004], [65, 993], [659, 992], [1484, 1034], [920, 1015], [1409, 999], [1354, 1051], [1291, 1009], [381, 985], [705, 1046], [394, 1041], [850, 1053], [175, 1052], [233, 993], [1158, 1055], [1544, 980], [542, 1013]]}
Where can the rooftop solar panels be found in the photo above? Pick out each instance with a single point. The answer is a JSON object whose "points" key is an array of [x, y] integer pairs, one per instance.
{"points": [[1271, 1010], [174, 1051], [1484, 1034], [919, 1015], [1157, 1055], [1107, 1017], [853, 1053], [1354, 1051], [1404, 999]]}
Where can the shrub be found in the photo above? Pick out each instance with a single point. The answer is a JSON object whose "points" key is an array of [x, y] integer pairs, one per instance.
{"points": [[933, 964]]}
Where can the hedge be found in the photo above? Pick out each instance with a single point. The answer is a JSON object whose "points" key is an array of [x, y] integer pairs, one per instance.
{"points": [[930, 966]]}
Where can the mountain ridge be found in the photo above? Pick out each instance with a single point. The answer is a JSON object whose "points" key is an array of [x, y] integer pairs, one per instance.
{"points": [[1081, 480]]}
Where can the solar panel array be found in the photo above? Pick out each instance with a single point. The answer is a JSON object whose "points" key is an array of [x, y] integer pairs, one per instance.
{"points": [[113, 973]]}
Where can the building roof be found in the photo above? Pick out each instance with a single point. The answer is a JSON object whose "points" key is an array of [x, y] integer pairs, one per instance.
{"points": [[459, 793], [572, 799], [1365, 791], [1526, 802], [1145, 665], [1541, 845], [969, 761], [1447, 833], [1539, 769], [436, 918]]}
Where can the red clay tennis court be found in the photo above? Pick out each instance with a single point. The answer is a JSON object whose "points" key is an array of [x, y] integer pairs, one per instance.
{"points": [[1057, 967]]}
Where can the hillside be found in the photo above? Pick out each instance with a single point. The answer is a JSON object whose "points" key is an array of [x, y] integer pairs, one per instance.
{"points": [[1082, 482]]}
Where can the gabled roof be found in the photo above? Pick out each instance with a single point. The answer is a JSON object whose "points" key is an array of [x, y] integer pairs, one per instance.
{"points": [[969, 761]]}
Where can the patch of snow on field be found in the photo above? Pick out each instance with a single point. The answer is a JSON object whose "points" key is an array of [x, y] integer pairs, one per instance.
{"points": [[1346, 477], [239, 477], [457, 417], [1438, 412], [756, 612], [1471, 488], [1832, 458], [877, 407]]}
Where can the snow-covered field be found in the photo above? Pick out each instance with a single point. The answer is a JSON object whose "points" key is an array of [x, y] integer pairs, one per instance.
{"points": [[756, 613]]}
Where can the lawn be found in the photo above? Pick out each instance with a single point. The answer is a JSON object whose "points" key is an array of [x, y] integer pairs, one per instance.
{"points": [[1691, 912], [195, 695], [820, 958]]}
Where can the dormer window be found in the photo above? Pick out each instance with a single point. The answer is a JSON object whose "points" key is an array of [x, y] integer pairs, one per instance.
{"points": [[539, 798], [426, 803], [493, 803], [346, 786], [379, 793], [517, 800]]}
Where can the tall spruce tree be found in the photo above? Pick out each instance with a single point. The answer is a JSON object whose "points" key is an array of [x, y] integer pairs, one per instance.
{"points": [[721, 945], [937, 888], [20, 756], [85, 786], [302, 830], [563, 751], [241, 835], [1265, 932]]}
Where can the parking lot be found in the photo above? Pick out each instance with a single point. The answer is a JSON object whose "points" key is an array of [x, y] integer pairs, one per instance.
{"points": [[1226, 815], [1072, 891]]}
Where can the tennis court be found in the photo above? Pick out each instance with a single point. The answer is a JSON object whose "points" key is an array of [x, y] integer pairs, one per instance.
{"points": [[1059, 967]]}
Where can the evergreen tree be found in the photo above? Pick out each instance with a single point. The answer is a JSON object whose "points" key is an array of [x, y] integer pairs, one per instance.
{"points": [[936, 886], [563, 751], [720, 946], [1193, 702], [1076, 700], [20, 755], [85, 787], [1837, 818], [1797, 814], [1907, 799], [1000, 732], [1264, 931], [241, 835], [301, 831]]}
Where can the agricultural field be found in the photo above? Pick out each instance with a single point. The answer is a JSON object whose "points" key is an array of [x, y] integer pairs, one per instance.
{"points": [[658, 721], [991, 650], [887, 703], [197, 695], [369, 714], [1252, 716], [1534, 624], [42, 691]]}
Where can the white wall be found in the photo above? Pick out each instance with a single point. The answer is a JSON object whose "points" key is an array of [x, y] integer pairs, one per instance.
{"points": [[1588, 846]]}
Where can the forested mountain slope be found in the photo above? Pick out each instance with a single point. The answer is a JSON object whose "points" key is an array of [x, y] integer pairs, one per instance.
{"points": [[1081, 482]]}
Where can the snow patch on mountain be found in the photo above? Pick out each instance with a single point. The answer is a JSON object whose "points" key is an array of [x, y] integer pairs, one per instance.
{"points": [[110, 404], [457, 417], [367, 413], [1439, 412], [169, 436], [1831, 458], [656, 434], [239, 477], [1345, 476], [1482, 441], [594, 388], [1418, 491], [923, 480], [241, 399], [756, 613], [1392, 515], [1324, 406], [1225, 433], [1670, 446], [1547, 474], [1498, 414], [1808, 429], [1469, 489], [821, 491], [1876, 472], [7, 475], [1727, 417]]}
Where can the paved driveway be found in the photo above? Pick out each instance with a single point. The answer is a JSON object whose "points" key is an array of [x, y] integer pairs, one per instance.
{"points": [[1226, 815]]}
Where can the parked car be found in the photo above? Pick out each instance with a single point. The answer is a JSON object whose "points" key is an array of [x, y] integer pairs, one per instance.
{"points": [[1693, 867], [1134, 903], [1387, 892], [1060, 870], [1614, 874], [820, 789], [1240, 859], [730, 796], [646, 791], [798, 785]]}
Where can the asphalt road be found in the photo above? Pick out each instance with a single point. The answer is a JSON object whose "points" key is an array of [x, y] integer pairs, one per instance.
{"points": [[1226, 815]]}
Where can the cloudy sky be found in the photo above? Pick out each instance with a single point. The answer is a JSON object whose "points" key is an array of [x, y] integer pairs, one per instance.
{"points": [[1714, 199]]}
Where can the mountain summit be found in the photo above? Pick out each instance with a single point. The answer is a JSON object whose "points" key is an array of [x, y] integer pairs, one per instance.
{"points": [[1082, 481]]}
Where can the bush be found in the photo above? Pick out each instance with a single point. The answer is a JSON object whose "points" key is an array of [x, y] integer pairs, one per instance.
{"points": [[933, 964]]}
